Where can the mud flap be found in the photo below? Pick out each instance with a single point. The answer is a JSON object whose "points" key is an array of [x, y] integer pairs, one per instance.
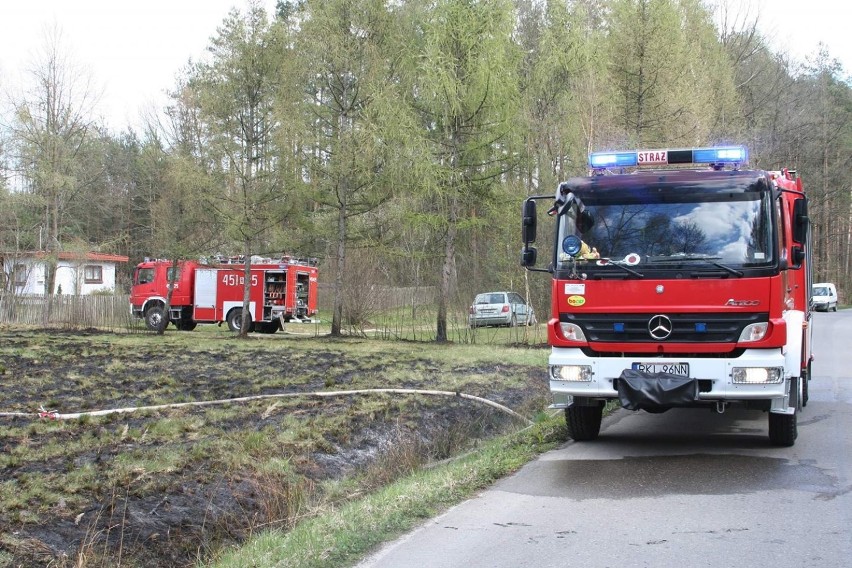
{"points": [[650, 391]]}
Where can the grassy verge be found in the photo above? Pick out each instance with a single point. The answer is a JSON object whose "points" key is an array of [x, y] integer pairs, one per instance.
{"points": [[342, 536], [172, 487]]}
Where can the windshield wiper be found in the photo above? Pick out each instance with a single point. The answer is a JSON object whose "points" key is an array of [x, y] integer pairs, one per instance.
{"points": [[681, 258], [609, 262], [696, 258], [734, 271]]}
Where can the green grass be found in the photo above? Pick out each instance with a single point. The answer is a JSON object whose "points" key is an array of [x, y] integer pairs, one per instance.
{"points": [[276, 451], [339, 536]]}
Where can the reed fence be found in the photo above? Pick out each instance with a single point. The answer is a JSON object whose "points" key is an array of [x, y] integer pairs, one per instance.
{"points": [[106, 312]]}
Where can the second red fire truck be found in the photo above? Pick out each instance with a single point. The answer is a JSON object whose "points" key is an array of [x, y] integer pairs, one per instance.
{"points": [[680, 278], [281, 291]]}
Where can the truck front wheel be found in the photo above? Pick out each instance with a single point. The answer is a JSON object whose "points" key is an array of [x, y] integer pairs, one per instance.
{"points": [[584, 422], [806, 377], [783, 429], [154, 318]]}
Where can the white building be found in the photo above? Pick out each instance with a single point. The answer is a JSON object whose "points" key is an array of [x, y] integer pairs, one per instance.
{"points": [[77, 274]]}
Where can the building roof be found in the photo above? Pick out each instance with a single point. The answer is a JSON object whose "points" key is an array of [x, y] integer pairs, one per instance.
{"points": [[69, 255]]}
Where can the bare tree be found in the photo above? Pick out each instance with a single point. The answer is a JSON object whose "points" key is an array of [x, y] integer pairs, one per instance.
{"points": [[51, 127]]}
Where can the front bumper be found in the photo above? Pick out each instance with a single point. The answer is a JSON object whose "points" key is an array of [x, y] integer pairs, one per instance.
{"points": [[713, 374]]}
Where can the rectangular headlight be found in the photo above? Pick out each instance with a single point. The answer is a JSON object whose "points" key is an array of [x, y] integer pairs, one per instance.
{"points": [[574, 373], [754, 332], [757, 375]]}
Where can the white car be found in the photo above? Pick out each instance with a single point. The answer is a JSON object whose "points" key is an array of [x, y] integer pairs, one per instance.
{"points": [[500, 308], [824, 297]]}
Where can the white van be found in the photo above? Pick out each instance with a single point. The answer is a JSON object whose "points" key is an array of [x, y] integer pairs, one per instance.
{"points": [[825, 297]]}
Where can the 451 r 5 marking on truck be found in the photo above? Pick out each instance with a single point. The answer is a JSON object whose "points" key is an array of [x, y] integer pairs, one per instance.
{"points": [[281, 291]]}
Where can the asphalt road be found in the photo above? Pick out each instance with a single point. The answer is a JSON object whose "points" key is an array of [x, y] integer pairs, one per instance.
{"points": [[684, 488]]}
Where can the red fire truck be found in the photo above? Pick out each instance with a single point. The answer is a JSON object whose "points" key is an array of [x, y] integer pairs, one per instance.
{"points": [[680, 278], [281, 291]]}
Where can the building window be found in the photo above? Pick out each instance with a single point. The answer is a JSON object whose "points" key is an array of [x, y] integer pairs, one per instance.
{"points": [[20, 274], [93, 274]]}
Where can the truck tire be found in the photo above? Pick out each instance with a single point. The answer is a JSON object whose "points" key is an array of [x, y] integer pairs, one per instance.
{"points": [[186, 325], [584, 422], [154, 318], [235, 320], [267, 326], [806, 379], [783, 429]]}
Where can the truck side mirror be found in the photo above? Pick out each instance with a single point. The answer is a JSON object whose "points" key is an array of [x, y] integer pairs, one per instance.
{"points": [[798, 256], [585, 222], [800, 223], [528, 256], [528, 227]]}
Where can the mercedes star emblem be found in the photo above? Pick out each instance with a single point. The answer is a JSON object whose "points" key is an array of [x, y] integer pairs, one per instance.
{"points": [[660, 327]]}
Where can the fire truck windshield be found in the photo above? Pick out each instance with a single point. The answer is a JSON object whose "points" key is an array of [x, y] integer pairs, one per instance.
{"points": [[650, 225]]}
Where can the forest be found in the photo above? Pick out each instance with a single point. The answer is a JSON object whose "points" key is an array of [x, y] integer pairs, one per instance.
{"points": [[396, 140]]}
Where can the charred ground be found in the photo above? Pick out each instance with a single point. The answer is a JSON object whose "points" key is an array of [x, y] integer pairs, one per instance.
{"points": [[171, 487]]}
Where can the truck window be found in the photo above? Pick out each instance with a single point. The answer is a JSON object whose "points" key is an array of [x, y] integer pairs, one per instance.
{"points": [[144, 275]]}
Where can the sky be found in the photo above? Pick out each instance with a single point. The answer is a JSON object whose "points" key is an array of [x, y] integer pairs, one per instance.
{"points": [[133, 51], [798, 26]]}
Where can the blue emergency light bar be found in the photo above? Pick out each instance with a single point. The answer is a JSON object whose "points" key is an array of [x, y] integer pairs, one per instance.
{"points": [[718, 155]]}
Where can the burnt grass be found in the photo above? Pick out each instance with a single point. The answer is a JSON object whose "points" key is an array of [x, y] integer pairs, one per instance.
{"points": [[172, 487]]}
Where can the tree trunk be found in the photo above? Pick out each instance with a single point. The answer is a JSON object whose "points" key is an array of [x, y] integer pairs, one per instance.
{"points": [[447, 273], [49, 285], [244, 324], [337, 315]]}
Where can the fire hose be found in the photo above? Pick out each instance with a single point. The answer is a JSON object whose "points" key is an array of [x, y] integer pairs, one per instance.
{"points": [[55, 415]]}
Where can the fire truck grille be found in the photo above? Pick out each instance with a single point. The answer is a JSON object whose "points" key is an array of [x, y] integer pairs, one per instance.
{"points": [[670, 328]]}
